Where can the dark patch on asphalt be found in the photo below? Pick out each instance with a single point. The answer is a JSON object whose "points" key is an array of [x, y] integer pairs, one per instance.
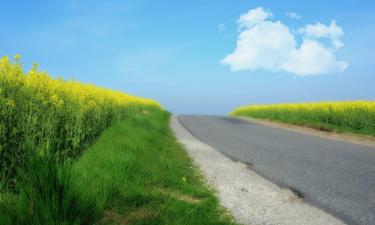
{"points": [[232, 120], [249, 165], [296, 192]]}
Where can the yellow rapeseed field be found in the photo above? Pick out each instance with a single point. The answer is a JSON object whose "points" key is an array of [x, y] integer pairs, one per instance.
{"points": [[353, 116], [46, 115]]}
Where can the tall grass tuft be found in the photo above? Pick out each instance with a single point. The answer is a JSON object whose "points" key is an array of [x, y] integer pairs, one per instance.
{"points": [[48, 194]]}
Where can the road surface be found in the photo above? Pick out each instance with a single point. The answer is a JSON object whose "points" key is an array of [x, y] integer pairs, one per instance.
{"points": [[334, 175]]}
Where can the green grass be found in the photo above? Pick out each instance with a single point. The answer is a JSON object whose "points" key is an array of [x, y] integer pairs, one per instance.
{"points": [[136, 173]]}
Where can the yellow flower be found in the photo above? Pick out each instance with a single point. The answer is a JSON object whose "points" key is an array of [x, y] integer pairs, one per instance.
{"points": [[17, 57], [54, 99]]}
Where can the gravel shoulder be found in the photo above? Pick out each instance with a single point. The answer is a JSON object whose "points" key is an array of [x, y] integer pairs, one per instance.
{"points": [[248, 196]]}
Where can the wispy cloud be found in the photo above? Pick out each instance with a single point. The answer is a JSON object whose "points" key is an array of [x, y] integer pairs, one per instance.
{"points": [[293, 15], [221, 28], [270, 45], [319, 30]]}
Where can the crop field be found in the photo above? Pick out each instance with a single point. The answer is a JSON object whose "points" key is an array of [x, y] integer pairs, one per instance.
{"points": [[41, 115], [74, 153], [348, 116]]}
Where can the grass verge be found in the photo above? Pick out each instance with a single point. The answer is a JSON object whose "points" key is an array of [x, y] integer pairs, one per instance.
{"points": [[136, 173]]}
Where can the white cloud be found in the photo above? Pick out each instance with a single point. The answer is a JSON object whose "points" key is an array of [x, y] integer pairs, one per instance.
{"points": [[319, 30], [252, 17], [261, 47], [221, 27], [268, 45], [312, 58], [293, 15]]}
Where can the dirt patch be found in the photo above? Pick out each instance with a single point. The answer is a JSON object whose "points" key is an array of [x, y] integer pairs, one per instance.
{"points": [[180, 196], [112, 217]]}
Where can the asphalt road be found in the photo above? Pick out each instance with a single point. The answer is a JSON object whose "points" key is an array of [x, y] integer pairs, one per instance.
{"points": [[334, 175]]}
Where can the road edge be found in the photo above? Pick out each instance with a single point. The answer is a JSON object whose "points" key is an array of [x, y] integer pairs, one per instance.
{"points": [[250, 197]]}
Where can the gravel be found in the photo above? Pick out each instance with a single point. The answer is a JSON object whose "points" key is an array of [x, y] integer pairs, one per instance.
{"points": [[248, 196]]}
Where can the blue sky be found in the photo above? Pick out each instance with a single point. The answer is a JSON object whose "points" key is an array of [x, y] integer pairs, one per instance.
{"points": [[172, 51]]}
